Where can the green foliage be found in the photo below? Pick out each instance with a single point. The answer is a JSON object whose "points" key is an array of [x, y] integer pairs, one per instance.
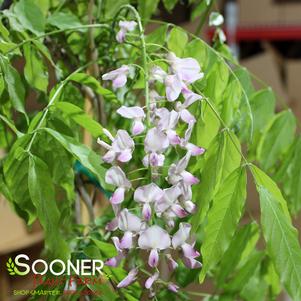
{"points": [[223, 218], [41, 191], [235, 123]]}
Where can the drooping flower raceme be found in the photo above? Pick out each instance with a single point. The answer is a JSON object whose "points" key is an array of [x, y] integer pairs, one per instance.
{"points": [[147, 208]]}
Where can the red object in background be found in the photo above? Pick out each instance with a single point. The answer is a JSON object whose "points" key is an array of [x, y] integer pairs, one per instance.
{"points": [[272, 33]]}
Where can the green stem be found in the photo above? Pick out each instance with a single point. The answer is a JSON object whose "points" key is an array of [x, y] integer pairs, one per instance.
{"points": [[51, 102], [226, 127], [56, 32]]}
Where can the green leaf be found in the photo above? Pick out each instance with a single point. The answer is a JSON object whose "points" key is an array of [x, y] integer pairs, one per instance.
{"points": [[112, 7], [42, 193], [34, 70], [217, 80], [156, 37], [231, 101], [292, 183], [108, 250], [263, 106], [223, 218], [84, 154], [245, 238], [221, 158], [207, 126], [15, 172], [276, 139], [94, 84], [262, 179], [147, 8], [282, 241], [169, 4], [245, 272], [30, 16], [177, 41], [64, 20], [14, 85], [80, 117], [198, 50]]}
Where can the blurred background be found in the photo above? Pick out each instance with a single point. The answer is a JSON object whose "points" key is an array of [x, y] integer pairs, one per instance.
{"points": [[265, 35]]}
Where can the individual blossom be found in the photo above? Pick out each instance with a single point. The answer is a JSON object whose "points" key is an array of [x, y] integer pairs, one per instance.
{"points": [[190, 97], [155, 144], [137, 114], [118, 76], [173, 87], [121, 149], [129, 279], [147, 195], [157, 74], [192, 148], [154, 239], [150, 281], [125, 26], [187, 69], [179, 240], [167, 123], [169, 202], [116, 260], [131, 225], [177, 172], [115, 176], [171, 263]]}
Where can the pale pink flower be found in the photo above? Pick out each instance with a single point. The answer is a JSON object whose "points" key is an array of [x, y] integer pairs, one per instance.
{"points": [[192, 148], [137, 114], [118, 76], [150, 281], [169, 202], [179, 240], [187, 69], [171, 263], [155, 143], [129, 279], [125, 26], [121, 149], [167, 123], [173, 287], [154, 239], [190, 97], [147, 194], [177, 172], [115, 176], [173, 87], [158, 74]]}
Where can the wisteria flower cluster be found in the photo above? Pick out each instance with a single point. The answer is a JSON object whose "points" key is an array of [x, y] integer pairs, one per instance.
{"points": [[154, 229]]}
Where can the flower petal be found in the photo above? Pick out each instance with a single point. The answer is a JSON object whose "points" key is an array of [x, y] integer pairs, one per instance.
{"points": [[180, 237], [118, 196], [129, 279], [153, 258], [149, 282], [154, 238], [131, 112]]}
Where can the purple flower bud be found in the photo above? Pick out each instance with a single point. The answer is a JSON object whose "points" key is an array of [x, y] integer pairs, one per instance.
{"points": [[173, 287], [129, 279], [171, 263], [153, 258], [150, 281]]}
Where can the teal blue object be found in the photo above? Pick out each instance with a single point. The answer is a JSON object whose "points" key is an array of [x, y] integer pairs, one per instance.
{"points": [[81, 169]]}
